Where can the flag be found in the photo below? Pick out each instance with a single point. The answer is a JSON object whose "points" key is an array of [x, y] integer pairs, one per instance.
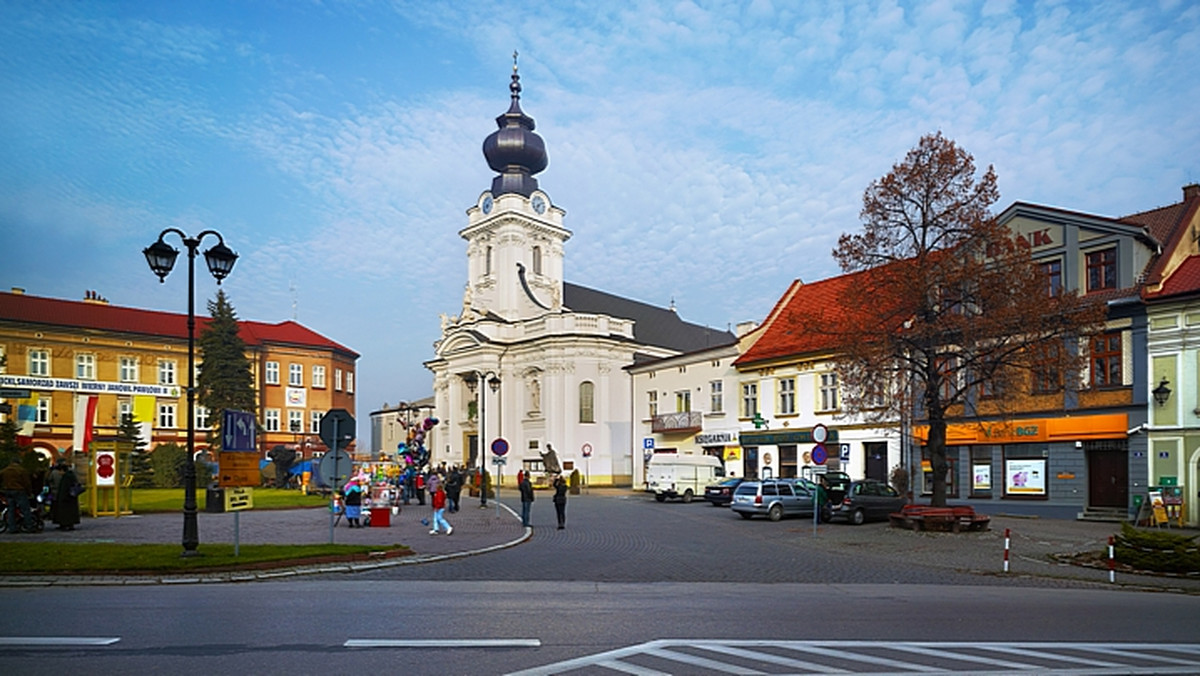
{"points": [[27, 415], [85, 415]]}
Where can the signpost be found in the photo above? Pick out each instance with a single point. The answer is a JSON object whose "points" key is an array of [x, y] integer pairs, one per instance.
{"points": [[337, 431], [499, 449], [587, 455], [237, 462], [237, 499]]}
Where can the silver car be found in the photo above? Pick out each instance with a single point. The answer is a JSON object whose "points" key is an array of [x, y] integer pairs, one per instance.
{"points": [[774, 498]]}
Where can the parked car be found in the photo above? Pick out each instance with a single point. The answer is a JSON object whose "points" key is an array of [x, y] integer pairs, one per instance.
{"points": [[865, 500], [720, 494], [774, 498]]}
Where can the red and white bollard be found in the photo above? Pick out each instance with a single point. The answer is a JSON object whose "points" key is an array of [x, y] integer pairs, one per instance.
{"points": [[1112, 561], [1006, 541]]}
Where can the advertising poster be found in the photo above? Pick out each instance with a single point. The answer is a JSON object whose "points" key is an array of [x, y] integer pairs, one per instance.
{"points": [[982, 477], [1025, 477]]}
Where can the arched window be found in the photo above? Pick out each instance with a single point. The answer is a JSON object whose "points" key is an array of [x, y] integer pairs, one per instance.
{"points": [[537, 260], [587, 402]]}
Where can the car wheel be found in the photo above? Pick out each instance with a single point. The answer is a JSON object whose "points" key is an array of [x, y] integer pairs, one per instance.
{"points": [[745, 515], [858, 517], [660, 497], [775, 513], [687, 495]]}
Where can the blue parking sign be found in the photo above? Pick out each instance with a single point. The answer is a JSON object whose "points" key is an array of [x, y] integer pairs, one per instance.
{"points": [[648, 442]]}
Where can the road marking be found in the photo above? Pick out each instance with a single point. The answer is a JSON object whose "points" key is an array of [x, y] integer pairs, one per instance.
{"points": [[443, 643], [678, 656], [26, 641]]}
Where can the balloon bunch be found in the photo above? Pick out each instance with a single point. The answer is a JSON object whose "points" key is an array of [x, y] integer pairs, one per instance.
{"points": [[413, 454]]}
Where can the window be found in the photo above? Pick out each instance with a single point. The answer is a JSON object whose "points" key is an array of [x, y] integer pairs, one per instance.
{"points": [[350, 382], [716, 395], [314, 422], [537, 260], [127, 370], [683, 401], [487, 261], [295, 421], [166, 373], [1052, 272], [337, 379], [202, 417], [829, 391], [749, 400], [947, 377], [43, 411], [587, 402], [125, 410], [652, 399], [1102, 269], [39, 363], [272, 373], [166, 416], [1106, 360], [85, 366], [1047, 374], [318, 376], [787, 397], [296, 375], [787, 462], [271, 420]]}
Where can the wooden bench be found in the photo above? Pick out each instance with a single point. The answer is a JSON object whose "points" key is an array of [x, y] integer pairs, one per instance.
{"points": [[953, 519]]}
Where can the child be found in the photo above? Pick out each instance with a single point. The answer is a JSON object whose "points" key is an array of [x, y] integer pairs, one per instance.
{"points": [[439, 510]]}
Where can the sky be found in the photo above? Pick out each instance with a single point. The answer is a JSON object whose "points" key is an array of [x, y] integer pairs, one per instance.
{"points": [[706, 153]]}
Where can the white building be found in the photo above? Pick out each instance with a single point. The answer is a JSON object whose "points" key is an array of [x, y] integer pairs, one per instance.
{"points": [[532, 359]]}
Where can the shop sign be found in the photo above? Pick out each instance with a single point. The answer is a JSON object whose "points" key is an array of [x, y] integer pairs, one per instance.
{"points": [[716, 439]]}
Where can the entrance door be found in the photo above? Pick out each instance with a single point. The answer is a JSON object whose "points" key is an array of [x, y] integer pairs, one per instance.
{"points": [[876, 455], [1108, 475], [751, 462]]}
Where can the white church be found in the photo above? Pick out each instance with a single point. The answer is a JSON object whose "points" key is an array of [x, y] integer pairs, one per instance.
{"points": [[533, 362]]}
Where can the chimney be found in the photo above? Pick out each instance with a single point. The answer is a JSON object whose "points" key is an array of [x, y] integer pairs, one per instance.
{"points": [[1190, 191]]}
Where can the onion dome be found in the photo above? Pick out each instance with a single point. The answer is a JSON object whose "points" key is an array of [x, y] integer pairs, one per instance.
{"points": [[513, 149]]}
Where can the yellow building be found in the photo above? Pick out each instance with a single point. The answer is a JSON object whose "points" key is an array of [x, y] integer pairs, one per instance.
{"points": [[79, 356]]}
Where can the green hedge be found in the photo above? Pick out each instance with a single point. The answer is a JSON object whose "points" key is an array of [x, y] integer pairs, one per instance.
{"points": [[1157, 550]]}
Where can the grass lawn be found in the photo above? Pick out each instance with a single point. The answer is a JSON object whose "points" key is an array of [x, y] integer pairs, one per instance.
{"points": [[63, 557], [147, 500]]}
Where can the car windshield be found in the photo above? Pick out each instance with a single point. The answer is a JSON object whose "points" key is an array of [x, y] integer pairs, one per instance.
{"points": [[747, 489]]}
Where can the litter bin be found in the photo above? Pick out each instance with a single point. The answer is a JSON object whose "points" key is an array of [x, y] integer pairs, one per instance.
{"points": [[381, 517], [214, 500]]}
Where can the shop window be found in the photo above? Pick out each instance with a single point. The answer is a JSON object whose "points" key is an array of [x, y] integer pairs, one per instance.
{"points": [[981, 471], [951, 472], [1025, 472]]}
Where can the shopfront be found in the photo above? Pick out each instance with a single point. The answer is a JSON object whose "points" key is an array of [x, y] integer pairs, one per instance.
{"points": [[1055, 467]]}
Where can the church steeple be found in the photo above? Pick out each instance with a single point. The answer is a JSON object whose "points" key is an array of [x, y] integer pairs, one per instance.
{"points": [[514, 150]]}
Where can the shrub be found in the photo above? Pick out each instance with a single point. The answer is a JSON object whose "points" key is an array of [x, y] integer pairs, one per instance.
{"points": [[168, 461], [1159, 551]]}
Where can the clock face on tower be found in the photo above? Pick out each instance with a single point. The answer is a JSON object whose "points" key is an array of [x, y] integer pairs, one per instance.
{"points": [[539, 204], [487, 204]]}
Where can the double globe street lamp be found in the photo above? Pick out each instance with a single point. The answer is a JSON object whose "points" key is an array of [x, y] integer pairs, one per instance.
{"points": [[472, 379], [220, 258]]}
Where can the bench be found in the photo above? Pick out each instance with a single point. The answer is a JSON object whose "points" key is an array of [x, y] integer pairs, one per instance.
{"points": [[953, 519]]}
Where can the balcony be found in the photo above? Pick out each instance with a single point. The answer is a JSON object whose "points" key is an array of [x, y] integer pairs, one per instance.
{"points": [[686, 421]]}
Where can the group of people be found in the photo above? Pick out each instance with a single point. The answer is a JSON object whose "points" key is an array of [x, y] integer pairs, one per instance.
{"points": [[60, 487], [525, 486]]}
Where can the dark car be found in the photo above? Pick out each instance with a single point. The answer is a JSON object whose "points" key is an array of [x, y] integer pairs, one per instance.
{"points": [[865, 500], [721, 493]]}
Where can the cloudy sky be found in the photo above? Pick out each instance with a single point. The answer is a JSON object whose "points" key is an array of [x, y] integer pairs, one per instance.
{"points": [[706, 152]]}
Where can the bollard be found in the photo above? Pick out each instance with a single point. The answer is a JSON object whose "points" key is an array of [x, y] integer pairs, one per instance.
{"points": [[1006, 540], [1112, 561]]}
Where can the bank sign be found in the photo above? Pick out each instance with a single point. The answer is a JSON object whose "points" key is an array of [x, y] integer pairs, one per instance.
{"points": [[90, 386]]}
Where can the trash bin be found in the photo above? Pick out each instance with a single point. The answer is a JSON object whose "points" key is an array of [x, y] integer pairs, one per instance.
{"points": [[381, 517], [214, 500]]}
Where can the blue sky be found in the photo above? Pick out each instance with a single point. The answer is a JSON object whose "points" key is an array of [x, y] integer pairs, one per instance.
{"points": [[705, 152]]}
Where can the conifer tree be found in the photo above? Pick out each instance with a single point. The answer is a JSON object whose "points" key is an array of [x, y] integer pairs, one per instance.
{"points": [[139, 460], [225, 379]]}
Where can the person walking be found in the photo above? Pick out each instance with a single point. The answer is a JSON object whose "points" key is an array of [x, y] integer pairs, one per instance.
{"points": [[560, 501], [454, 484], [64, 496], [353, 499], [439, 510], [17, 485], [526, 489]]}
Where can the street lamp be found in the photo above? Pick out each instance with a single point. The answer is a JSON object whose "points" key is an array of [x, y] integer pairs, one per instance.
{"points": [[472, 379], [1161, 393], [220, 260]]}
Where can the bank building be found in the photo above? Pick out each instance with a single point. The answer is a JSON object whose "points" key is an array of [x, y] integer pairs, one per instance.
{"points": [[532, 360]]}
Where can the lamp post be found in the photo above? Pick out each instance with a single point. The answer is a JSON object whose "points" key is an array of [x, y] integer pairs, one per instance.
{"points": [[472, 379], [1162, 392], [220, 260]]}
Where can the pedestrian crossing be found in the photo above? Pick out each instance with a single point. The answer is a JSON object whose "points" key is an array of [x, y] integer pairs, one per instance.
{"points": [[752, 658]]}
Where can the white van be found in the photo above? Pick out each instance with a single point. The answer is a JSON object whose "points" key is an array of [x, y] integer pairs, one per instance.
{"points": [[682, 476]]}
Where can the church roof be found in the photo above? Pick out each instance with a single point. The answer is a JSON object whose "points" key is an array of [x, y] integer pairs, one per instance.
{"points": [[514, 150], [660, 327]]}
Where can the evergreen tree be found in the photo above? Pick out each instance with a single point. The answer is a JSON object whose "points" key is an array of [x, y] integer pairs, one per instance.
{"points": [[168, 461], [225, 378], [139, 460]]}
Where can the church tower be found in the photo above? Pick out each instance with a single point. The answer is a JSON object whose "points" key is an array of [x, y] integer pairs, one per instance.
{"points": [[515, 234]]}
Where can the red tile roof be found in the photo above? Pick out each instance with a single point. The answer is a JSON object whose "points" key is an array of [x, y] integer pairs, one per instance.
{"points": [[1171, 226], [70, 314]]}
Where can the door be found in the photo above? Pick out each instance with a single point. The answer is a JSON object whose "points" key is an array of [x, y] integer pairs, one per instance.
{"points": [[751, 462], [1108, 474], [876, 460]]}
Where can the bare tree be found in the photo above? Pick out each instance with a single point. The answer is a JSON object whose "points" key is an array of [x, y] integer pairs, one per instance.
{"points": [[945, 316]]}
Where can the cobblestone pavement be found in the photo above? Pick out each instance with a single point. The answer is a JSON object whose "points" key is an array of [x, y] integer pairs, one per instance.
{"points": [[616, 535]]}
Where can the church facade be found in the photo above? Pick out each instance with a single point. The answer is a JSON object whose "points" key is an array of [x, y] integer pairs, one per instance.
{"points": [[533, 363]]}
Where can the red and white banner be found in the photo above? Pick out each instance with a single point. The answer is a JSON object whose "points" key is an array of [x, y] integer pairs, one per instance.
{"points": [[85, 418]]}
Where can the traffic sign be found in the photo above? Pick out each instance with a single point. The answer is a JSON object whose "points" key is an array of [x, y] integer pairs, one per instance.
{"points": [[844, 452], [237, 469], [337, 421], [499, 446], [237, 499], [819, 433], [335, 468], [238, 431], [587, 450], [648, 442], [819, 454]]}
